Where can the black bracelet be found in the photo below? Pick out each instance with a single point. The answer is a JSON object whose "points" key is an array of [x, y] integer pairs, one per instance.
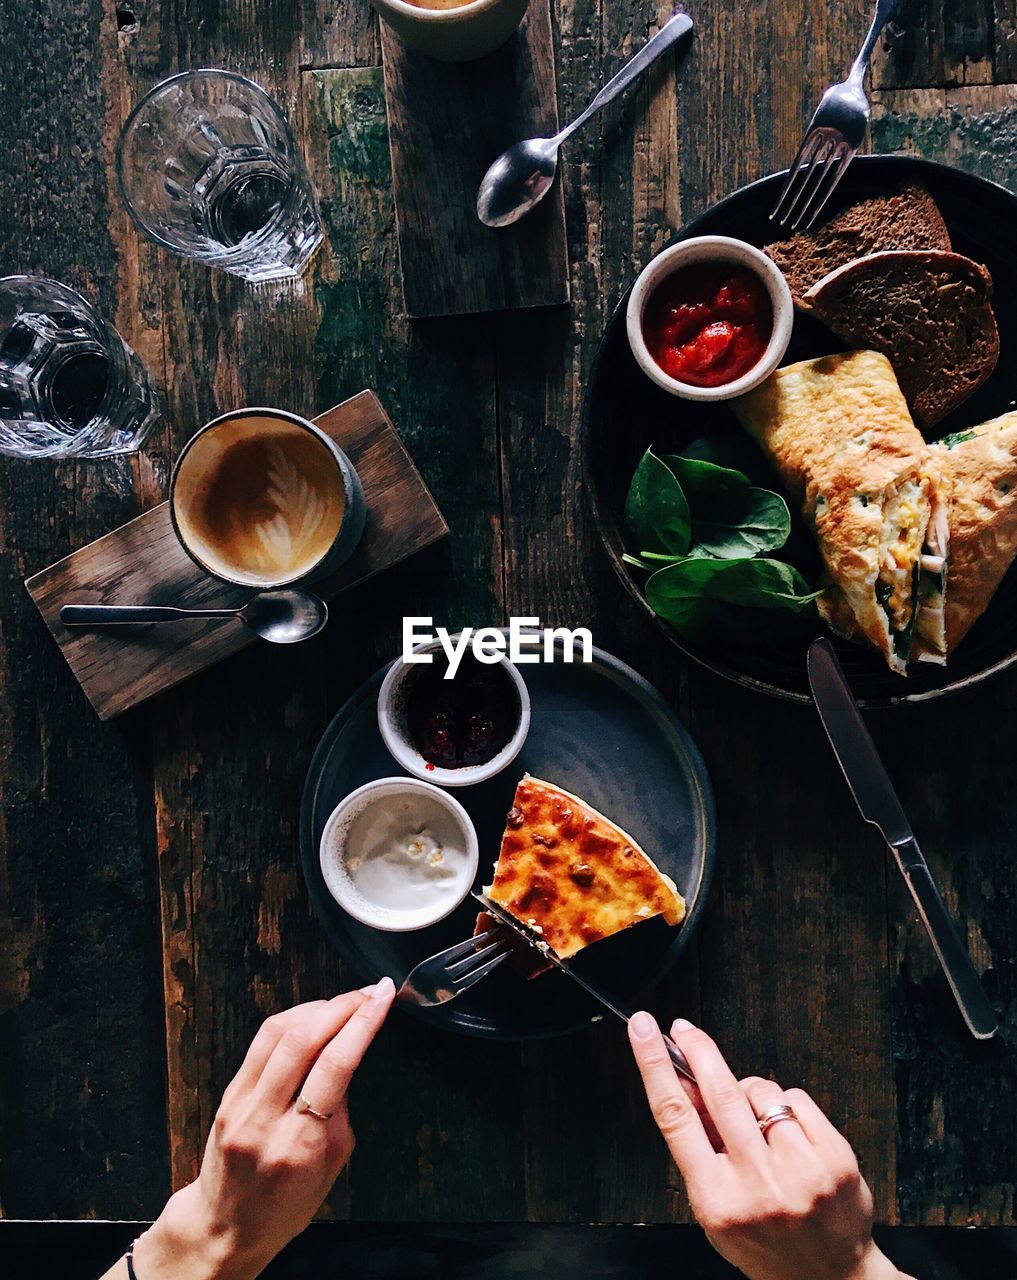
{"points": [[129, 1255]]}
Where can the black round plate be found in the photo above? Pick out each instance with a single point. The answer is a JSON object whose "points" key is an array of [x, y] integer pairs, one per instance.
{"points": [[598, 730], [625, 413]]}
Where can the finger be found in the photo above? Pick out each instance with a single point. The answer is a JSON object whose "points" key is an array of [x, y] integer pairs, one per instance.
{"points": [[676, 1116], [329, 1078], [785, 1135], [298, 1047], [679, 1025], [818, 1129], [724, 1097], [267, 1037]]}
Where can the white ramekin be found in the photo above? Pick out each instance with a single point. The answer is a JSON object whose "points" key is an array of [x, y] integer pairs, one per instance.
{"points": [[331, 852], [705, 249], [392, 706]]}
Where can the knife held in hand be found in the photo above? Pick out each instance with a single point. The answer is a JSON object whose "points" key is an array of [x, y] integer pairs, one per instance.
{"points": [[678, 1059], [876, 799]]}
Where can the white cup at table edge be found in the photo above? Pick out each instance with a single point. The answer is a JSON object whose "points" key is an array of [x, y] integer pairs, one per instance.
{"points": [[461, 34]]}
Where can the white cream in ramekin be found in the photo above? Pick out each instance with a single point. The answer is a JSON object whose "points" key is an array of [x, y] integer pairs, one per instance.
{"points": [[399, 854]]}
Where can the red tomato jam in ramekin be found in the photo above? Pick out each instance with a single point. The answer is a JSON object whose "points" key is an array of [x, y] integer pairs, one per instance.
{"points": [[709, 323]]}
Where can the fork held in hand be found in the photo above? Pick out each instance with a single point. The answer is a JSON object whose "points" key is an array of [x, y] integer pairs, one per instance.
{"points": [[448, 974], [833, 137]]}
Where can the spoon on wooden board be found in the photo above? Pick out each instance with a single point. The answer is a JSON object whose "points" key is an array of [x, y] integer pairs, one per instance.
{"points": [[281, 617], [522, 175]]}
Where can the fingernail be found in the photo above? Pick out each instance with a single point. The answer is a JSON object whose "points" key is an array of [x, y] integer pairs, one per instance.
{"points": [[643, 1026], [369, 991], [683, 1024], [383, 989]]}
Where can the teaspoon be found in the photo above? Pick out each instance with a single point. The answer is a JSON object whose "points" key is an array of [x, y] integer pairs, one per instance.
{"points": [[522, 175], [282, 617]]}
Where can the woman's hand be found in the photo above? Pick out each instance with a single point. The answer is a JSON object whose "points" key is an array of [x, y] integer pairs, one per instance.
{"points": [[267, 1166], [786, 1205]]}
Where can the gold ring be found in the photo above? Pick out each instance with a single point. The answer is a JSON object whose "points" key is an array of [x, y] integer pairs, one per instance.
{"points": [[774, 1115], [305, 1108]]}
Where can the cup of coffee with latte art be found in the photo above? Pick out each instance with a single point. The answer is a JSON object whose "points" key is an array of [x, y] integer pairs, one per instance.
{"points": [[263, 498]]}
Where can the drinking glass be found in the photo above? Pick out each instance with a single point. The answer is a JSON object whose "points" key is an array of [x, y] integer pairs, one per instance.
{"points": [[69, 384], [209, 169]]}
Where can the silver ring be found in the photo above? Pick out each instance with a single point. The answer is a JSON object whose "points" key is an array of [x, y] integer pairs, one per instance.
{"points": [[774, 1115], [305, 1108]]}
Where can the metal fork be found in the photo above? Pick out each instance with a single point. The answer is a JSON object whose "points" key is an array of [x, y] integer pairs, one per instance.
{"points": [[448, 974], [834, 135]]}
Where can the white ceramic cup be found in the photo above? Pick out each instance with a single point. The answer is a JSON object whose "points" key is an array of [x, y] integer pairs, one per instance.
{"points": [[392, 722], [459, 34], [334, 870], [710, 249]]}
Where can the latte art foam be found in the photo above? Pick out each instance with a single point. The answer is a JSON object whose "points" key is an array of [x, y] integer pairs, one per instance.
{"points": [[299, 528], [263, 502]]}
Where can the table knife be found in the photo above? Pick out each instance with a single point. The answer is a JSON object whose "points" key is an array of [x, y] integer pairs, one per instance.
{"points": [[506, 918], [876, 799]]}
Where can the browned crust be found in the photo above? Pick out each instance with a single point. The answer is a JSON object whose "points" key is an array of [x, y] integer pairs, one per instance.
{"points": [[573, 876], [905, 218], [982, 473], [928, 312]]}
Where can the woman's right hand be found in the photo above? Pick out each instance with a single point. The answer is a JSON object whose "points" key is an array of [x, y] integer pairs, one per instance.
{"points": [[787, 1205]]}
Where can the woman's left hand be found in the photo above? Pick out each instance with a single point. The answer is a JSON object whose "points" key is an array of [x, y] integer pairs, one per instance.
{"points": [[268, 1166]]}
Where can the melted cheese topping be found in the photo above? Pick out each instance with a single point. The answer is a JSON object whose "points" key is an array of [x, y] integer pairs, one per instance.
{"points": [[571, 875]]}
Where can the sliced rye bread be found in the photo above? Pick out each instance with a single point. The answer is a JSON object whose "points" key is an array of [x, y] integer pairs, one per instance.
{"points": [[906, 218], [928, 312]]}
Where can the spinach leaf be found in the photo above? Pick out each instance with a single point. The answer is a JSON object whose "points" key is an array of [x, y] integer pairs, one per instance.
{"points": [[762, 584], [731, 518], [957, 437], [730, 447], [656, 513], [689, 593], [677, 593]]}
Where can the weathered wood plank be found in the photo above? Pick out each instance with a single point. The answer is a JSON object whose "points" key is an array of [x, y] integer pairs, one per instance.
{"points": [[446, 125], [946, 42], [956, 1126], [443, 1110], [237, 937], [338, 33], [81, 1061], [618, 1169]]}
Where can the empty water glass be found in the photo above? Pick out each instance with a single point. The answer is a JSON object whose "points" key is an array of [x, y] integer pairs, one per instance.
{"points": [[209, 168], [69, 384]]}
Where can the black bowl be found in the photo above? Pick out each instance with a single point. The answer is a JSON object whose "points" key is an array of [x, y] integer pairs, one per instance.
{"points": [[625, 412]]}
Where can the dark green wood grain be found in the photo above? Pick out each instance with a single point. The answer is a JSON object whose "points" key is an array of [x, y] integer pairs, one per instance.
{"points": [[82, 1110]]}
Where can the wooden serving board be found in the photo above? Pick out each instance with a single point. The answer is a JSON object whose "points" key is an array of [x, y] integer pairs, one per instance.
{"points": [[447, 122], [143, 563]]}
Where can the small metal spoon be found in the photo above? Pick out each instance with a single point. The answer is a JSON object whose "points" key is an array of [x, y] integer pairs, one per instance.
{"points": [[522, 175], [283, 617]]}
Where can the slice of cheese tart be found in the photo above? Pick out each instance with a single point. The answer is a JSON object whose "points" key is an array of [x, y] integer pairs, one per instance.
{"points": [[573, 877]]}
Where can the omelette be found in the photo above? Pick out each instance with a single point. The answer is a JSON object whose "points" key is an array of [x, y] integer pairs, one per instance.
{"points": [[979, 467], [839, 434]]}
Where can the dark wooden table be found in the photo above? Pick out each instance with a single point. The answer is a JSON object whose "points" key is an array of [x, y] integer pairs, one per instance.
{"points": [[151, 907]]}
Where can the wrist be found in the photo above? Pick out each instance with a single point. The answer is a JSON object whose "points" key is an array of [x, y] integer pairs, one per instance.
{"points": [[184, 1242], [873, 1265]]}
